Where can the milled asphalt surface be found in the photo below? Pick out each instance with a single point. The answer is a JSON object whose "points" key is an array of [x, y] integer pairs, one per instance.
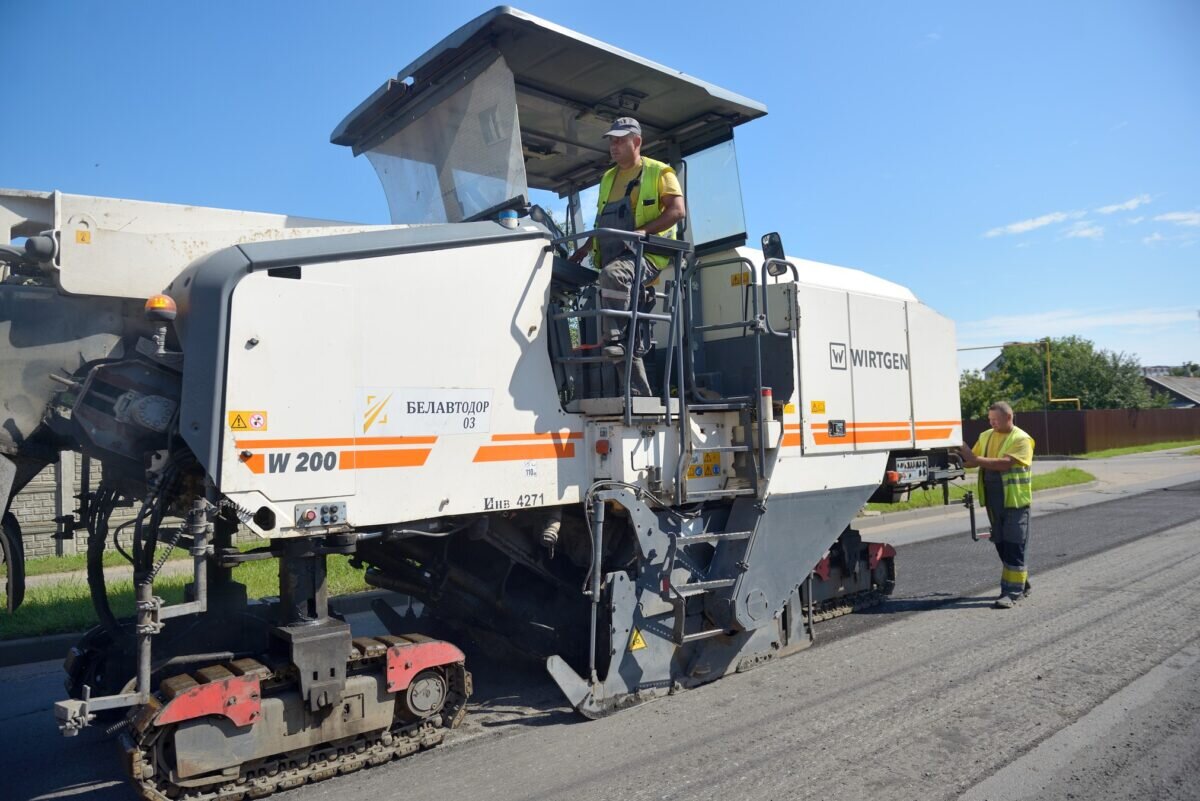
{"points": [[1087, 689]]}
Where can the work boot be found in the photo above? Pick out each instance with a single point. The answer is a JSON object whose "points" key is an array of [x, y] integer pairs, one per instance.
{"points": [[1028, 589], [1003, 602], [614, 350]]}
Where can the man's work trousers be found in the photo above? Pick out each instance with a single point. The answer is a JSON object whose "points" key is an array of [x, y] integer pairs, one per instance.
{"points": [[1010, 534], [616, 286]]}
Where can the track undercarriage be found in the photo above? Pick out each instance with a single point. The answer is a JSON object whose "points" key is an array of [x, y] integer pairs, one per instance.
{"points": [[277, 742], [239, 699]]}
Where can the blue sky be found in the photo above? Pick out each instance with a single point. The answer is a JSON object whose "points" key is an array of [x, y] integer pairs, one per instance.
{"points": [[1027, 168]]}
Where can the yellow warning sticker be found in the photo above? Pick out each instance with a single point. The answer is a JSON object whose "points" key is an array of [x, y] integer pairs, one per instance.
{"points": [[636, 641], [707, 467], [253, 420], [789, 408], [739, 278], [83, 237], [817, 407]]}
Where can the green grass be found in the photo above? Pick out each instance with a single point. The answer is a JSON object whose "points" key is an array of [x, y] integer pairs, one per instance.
{"points": [[67, 564], [1062, 477], [1193, 452], [66, 606], [1154, 446], [44, 565]]}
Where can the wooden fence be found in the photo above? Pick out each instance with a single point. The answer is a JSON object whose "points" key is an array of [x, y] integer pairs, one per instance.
{"points": [[1069, 432]]}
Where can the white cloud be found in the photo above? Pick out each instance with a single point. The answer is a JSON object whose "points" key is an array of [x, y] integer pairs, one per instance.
{"points": [[1189, 218], [1063, 322], [1135, 220], [1128, 205], [1025, 226], [1085, 230], [1154, 237]]}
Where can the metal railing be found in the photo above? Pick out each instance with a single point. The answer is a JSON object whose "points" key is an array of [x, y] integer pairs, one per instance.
{"points": [[660, 246], [681, 329]]}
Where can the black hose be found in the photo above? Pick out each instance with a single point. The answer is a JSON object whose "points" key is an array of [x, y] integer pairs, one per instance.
{"points": [[97, 526], [154, 506], [116, 539]]}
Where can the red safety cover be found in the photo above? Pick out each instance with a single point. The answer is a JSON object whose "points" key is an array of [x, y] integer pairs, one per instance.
{"points": [[238, 698], [877, 552], [406, 660], [822, 569]]}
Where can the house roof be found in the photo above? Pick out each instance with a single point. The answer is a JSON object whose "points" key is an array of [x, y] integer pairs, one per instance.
{"points": [[1183, 386]]}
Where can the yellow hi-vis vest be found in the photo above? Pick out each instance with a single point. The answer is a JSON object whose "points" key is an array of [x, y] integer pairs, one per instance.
{"points": [[647, 207], [1018, 480]]}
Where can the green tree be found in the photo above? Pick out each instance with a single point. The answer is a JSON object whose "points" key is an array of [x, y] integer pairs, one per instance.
{"points": [[1187, 370], [975, 393], [1101, 379]]}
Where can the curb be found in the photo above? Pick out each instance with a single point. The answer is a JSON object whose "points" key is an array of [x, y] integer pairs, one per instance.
{"points": [[36, 649], [55, 646]]}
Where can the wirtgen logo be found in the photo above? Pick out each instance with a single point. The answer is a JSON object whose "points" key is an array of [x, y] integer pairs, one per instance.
{"points": [[837, 356]]}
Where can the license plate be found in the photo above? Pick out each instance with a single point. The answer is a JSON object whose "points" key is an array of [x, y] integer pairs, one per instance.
{"points": [[914, 470]]}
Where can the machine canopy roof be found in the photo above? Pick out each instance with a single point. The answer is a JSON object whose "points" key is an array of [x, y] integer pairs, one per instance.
{"points": [[569, 88]]}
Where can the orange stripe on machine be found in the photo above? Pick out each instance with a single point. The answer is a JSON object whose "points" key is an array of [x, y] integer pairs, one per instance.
{"points": [[868, 432], [553, 435], [511, 453], [283, 457], [366, 460]]}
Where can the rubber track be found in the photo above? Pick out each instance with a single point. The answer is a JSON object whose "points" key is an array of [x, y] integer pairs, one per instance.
{"points": [[311, 764]]}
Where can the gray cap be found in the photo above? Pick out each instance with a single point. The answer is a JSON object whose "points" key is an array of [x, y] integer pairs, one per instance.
{"points": [[624, 126]]}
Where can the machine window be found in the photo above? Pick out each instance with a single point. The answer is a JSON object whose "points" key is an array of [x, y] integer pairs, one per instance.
{"points": [[459, 158], [714, 194]]}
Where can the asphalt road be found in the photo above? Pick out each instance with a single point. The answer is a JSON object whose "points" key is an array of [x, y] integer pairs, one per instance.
{"points": [[1088, 689]]}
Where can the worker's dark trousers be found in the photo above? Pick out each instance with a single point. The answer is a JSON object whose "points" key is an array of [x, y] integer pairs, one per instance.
{"points": [[1010, 534], [616, 285]]}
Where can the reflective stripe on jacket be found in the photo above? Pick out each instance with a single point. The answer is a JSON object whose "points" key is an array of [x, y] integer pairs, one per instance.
{"points": [[647, 207], [1018, 480]]}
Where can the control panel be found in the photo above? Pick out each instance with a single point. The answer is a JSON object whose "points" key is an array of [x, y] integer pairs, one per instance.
{"points": [[320, 515]]}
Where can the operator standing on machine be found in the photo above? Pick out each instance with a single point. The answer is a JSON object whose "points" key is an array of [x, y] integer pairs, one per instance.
{"points": [[636, 194]]}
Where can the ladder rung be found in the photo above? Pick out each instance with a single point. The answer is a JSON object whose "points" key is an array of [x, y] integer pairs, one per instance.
{"points": [[698, 587], [589, 359], [723, 449], [723, 535], [726, 493]]}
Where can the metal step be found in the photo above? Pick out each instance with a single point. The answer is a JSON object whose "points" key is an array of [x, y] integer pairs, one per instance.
{"points": [[723, 406], [725, 493], [700, 587], [713, 537], [611, 407]]}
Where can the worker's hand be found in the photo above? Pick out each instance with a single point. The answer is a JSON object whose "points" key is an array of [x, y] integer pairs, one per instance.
{"points": [[579, 255], [968, 456]]}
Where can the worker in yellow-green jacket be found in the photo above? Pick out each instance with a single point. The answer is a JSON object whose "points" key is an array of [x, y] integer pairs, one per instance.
{"points": [[640, 195], [1004, 456]]}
